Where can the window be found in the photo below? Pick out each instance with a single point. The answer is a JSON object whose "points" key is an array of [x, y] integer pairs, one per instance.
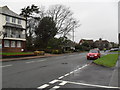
{"points": [[12, 43], [6, 43], [19, 21], [8, 32], [13, 34], [18, 43], [7, 18], [18, 33], [13, 20]]}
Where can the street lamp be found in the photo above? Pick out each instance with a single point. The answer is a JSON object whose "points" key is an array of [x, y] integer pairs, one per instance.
{"points": [[73, 30]]}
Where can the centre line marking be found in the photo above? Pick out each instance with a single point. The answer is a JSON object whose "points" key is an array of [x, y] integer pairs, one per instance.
{"points": [[43, 86], [30, 62], [73, 71], [61, 77], [6, 65], [41, 60], [66, 74]]}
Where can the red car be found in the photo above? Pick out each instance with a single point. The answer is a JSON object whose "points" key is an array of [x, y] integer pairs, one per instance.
{"points": [[93, 54]]}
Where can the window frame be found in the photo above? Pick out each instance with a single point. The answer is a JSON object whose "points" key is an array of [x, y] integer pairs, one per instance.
{"points": [[13, 20], [19, 21], [14, 44], [20, 43], [5, 43], [8, 18]]}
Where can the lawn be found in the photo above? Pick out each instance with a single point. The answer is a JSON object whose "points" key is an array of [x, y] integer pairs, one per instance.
{"points": [[16, 53], [107, 60]]}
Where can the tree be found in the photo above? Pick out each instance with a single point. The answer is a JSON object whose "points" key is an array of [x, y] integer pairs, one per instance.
{"points": [[45, 30], [63, 19], [29, 13]]}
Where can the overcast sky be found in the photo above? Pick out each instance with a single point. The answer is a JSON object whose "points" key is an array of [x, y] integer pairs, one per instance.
{"points": [[98, 18]]}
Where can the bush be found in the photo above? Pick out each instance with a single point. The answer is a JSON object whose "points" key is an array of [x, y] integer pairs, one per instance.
{"points": [[39, 53], [48, 50], [56, 51]]}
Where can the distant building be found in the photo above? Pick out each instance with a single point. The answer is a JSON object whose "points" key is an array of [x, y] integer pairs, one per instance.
{"points": [[90, 42], [12, 31], [113, 45], [101, 44]]}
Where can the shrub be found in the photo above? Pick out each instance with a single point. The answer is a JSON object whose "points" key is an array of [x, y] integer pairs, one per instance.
{"points": [[39, 53], [56, 51], [48, 50]]}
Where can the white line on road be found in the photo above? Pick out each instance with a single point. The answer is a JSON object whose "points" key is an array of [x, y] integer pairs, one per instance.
{"points": [[61, 77], [36, 61], [63, 83], [73, 71], [41, 60], [66, 74], [90, 84], [30, 62], [54, 81], [6, 65], [55, 87], [43, 86]]}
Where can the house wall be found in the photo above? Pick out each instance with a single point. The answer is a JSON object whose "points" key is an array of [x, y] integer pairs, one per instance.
{"points": [[23, 40], [13, 49], [2, 22]]}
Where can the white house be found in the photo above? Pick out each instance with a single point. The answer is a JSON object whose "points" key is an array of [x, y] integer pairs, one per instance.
{"points": [[12, 31]]}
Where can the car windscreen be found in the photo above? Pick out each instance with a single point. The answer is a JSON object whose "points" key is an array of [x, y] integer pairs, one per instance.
{"points": [[93, 51]]}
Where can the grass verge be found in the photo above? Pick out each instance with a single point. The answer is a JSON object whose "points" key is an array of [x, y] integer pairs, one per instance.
{"points": [[107, 60], [16, 53]]}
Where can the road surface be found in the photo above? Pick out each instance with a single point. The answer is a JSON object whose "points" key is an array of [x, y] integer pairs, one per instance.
{"points": [[65, 71]]}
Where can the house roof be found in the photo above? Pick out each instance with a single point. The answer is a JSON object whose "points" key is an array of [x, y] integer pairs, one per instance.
{"points": [[90, 41], [6, 11]]}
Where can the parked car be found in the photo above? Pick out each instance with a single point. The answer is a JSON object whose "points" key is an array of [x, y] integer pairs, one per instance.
{"points": [[114, 49], [93, 54]]}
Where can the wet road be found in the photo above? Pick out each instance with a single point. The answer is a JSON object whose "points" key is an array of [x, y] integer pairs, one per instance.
{"points": [[66, 71]]}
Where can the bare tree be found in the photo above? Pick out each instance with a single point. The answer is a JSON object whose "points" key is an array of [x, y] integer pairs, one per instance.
{"points": [[63, 17]]}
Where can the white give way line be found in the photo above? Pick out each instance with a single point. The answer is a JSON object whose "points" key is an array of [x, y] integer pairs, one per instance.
{"points": [[63, 82], [85, 84]]}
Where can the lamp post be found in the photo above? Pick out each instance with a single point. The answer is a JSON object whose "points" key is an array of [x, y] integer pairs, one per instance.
{"points": [[73, 30]]}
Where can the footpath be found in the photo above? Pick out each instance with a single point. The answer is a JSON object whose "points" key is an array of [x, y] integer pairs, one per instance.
{"points": [[26, 58], [115, 80]]}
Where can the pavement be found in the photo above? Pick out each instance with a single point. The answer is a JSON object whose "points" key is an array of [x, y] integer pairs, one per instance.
{"points": [[29, 57]]}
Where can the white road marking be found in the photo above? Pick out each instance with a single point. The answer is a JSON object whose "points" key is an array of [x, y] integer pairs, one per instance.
{"points": [[6, 65], [56, 87], [90, 84], [30, 62], [63, 83], [36, 61], [43, 86], [54, 81], [73, 71], [66, 74], [61, 77], [41, 60]]}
